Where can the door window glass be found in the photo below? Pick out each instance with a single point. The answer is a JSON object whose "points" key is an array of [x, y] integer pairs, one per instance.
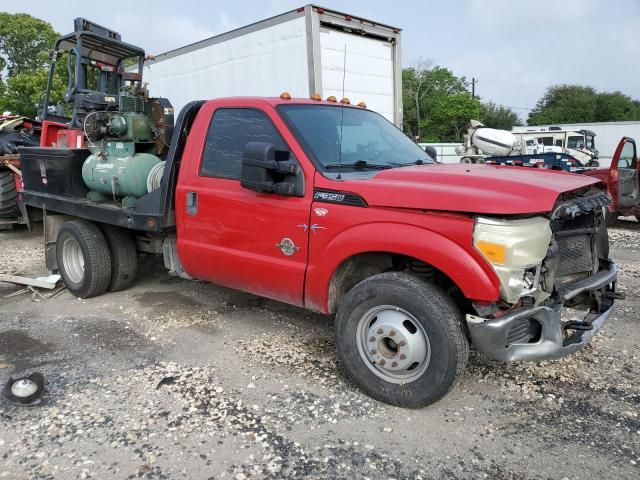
{"points": [[627, 156], [229, 132]]}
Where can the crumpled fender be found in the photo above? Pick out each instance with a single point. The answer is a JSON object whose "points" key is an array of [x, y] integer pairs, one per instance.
{"points": [[465, 267]]}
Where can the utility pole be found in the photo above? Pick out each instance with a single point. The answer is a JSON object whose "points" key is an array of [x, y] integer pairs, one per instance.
{"points": [[473, 87]]}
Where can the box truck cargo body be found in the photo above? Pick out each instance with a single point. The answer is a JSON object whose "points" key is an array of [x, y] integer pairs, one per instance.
{"points": [[305, 51]]}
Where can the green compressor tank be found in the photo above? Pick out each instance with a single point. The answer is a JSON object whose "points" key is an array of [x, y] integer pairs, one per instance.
{"points": [[119, 176], [116, 167]]}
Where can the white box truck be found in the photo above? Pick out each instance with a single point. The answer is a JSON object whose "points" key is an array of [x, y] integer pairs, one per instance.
{"points": [[301, 52], [607, 134]]}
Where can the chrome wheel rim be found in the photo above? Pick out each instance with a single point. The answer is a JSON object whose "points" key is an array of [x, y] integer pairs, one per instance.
{"points": [[393, 344], [73, 260]]}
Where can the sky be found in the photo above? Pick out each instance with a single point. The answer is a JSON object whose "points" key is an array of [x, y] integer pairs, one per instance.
{"points": [[515, 48]]}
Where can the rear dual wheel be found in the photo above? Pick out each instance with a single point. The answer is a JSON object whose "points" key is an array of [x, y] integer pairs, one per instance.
{"points": [[93, 260]]}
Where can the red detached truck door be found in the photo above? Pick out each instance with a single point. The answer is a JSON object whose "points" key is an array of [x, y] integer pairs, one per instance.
{"points": [[227, 234]]}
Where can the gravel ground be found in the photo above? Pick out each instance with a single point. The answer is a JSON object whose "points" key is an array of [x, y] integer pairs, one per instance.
{"points": [[177, 379]]}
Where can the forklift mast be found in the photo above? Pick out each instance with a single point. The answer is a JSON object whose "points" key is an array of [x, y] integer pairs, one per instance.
{"points": [[96, 62]]}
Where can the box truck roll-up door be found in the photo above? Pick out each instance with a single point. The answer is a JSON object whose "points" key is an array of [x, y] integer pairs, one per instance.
{"points": [[369, 69]]}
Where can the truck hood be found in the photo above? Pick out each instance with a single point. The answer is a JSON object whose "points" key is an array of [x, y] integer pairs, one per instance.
{"points": [[483, 189]]}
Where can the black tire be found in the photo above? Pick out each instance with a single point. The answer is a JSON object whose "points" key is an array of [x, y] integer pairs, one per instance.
{"points": [[11, 141], [8, 195], [437, 315], [94, 277], [124, 257]]}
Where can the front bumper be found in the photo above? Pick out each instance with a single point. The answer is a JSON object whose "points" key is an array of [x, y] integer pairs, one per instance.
{"points": [[494, 337]]}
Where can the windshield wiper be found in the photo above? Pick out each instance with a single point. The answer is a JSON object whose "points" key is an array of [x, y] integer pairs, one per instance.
{"points": [[417, 162], [358, 164]]}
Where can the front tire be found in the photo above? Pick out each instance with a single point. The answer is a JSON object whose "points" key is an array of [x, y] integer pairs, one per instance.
{"points": [[83, 258], [401, 340]]}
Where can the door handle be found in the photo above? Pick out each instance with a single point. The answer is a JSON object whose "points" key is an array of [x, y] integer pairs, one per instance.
{"points": [[192, 203]]}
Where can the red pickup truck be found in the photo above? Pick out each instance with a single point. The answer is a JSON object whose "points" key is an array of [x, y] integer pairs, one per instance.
{"points": [[329, 206]]}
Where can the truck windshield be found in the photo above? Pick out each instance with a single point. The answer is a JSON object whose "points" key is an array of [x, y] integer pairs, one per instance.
{"points": [[351, 138], [575, 141]]}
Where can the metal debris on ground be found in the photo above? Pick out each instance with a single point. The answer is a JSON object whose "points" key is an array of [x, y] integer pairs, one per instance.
{"points": [[40, 282]]}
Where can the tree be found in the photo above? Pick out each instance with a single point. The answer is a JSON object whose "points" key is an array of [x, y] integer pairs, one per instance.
{"points": [[25, 42], [425, 89], [616, 106], [582, 104], [415, 88], [498, 116], [25, 90], [449, 118], [565, 104], [25, 45]]}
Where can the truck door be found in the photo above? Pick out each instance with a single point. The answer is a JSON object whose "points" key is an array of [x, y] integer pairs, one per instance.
{"points": [[623, 174], [256, 242]]}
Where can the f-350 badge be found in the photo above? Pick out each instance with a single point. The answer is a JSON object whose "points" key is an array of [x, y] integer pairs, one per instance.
{"points": [[287, 246]]}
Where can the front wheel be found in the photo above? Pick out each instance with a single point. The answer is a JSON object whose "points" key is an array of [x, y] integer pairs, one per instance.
{"points": [[401, 340]]}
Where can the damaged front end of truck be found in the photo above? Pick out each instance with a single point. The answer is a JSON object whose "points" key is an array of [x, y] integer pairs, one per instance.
{"points": [[550, 267]]}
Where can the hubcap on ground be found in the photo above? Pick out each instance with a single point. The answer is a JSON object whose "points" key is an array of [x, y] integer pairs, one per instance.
{"points": [[73, 260], [24, 388], [393, 344]]}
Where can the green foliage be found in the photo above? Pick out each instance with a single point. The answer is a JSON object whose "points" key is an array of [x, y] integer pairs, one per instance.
{"points": [[498, 116], [616, 106], [25, 42], [449, 117], [582, 104], [25, 46], [437, 104], [25, 90]]}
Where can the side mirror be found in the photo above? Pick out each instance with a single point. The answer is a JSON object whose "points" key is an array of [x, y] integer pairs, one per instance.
{"points": [[268, 170]]}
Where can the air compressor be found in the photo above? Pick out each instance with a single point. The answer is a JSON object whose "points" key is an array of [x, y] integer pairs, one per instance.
{"points": [[123, 144]]}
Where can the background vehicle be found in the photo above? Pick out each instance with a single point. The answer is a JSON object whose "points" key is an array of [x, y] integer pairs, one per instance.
{"points": [[481, 142], [324, 205], [580, 144], [303, 52], [608, 134]]}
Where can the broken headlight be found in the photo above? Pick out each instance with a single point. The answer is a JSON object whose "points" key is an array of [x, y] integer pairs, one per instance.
{"points": [[515, 249]]}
